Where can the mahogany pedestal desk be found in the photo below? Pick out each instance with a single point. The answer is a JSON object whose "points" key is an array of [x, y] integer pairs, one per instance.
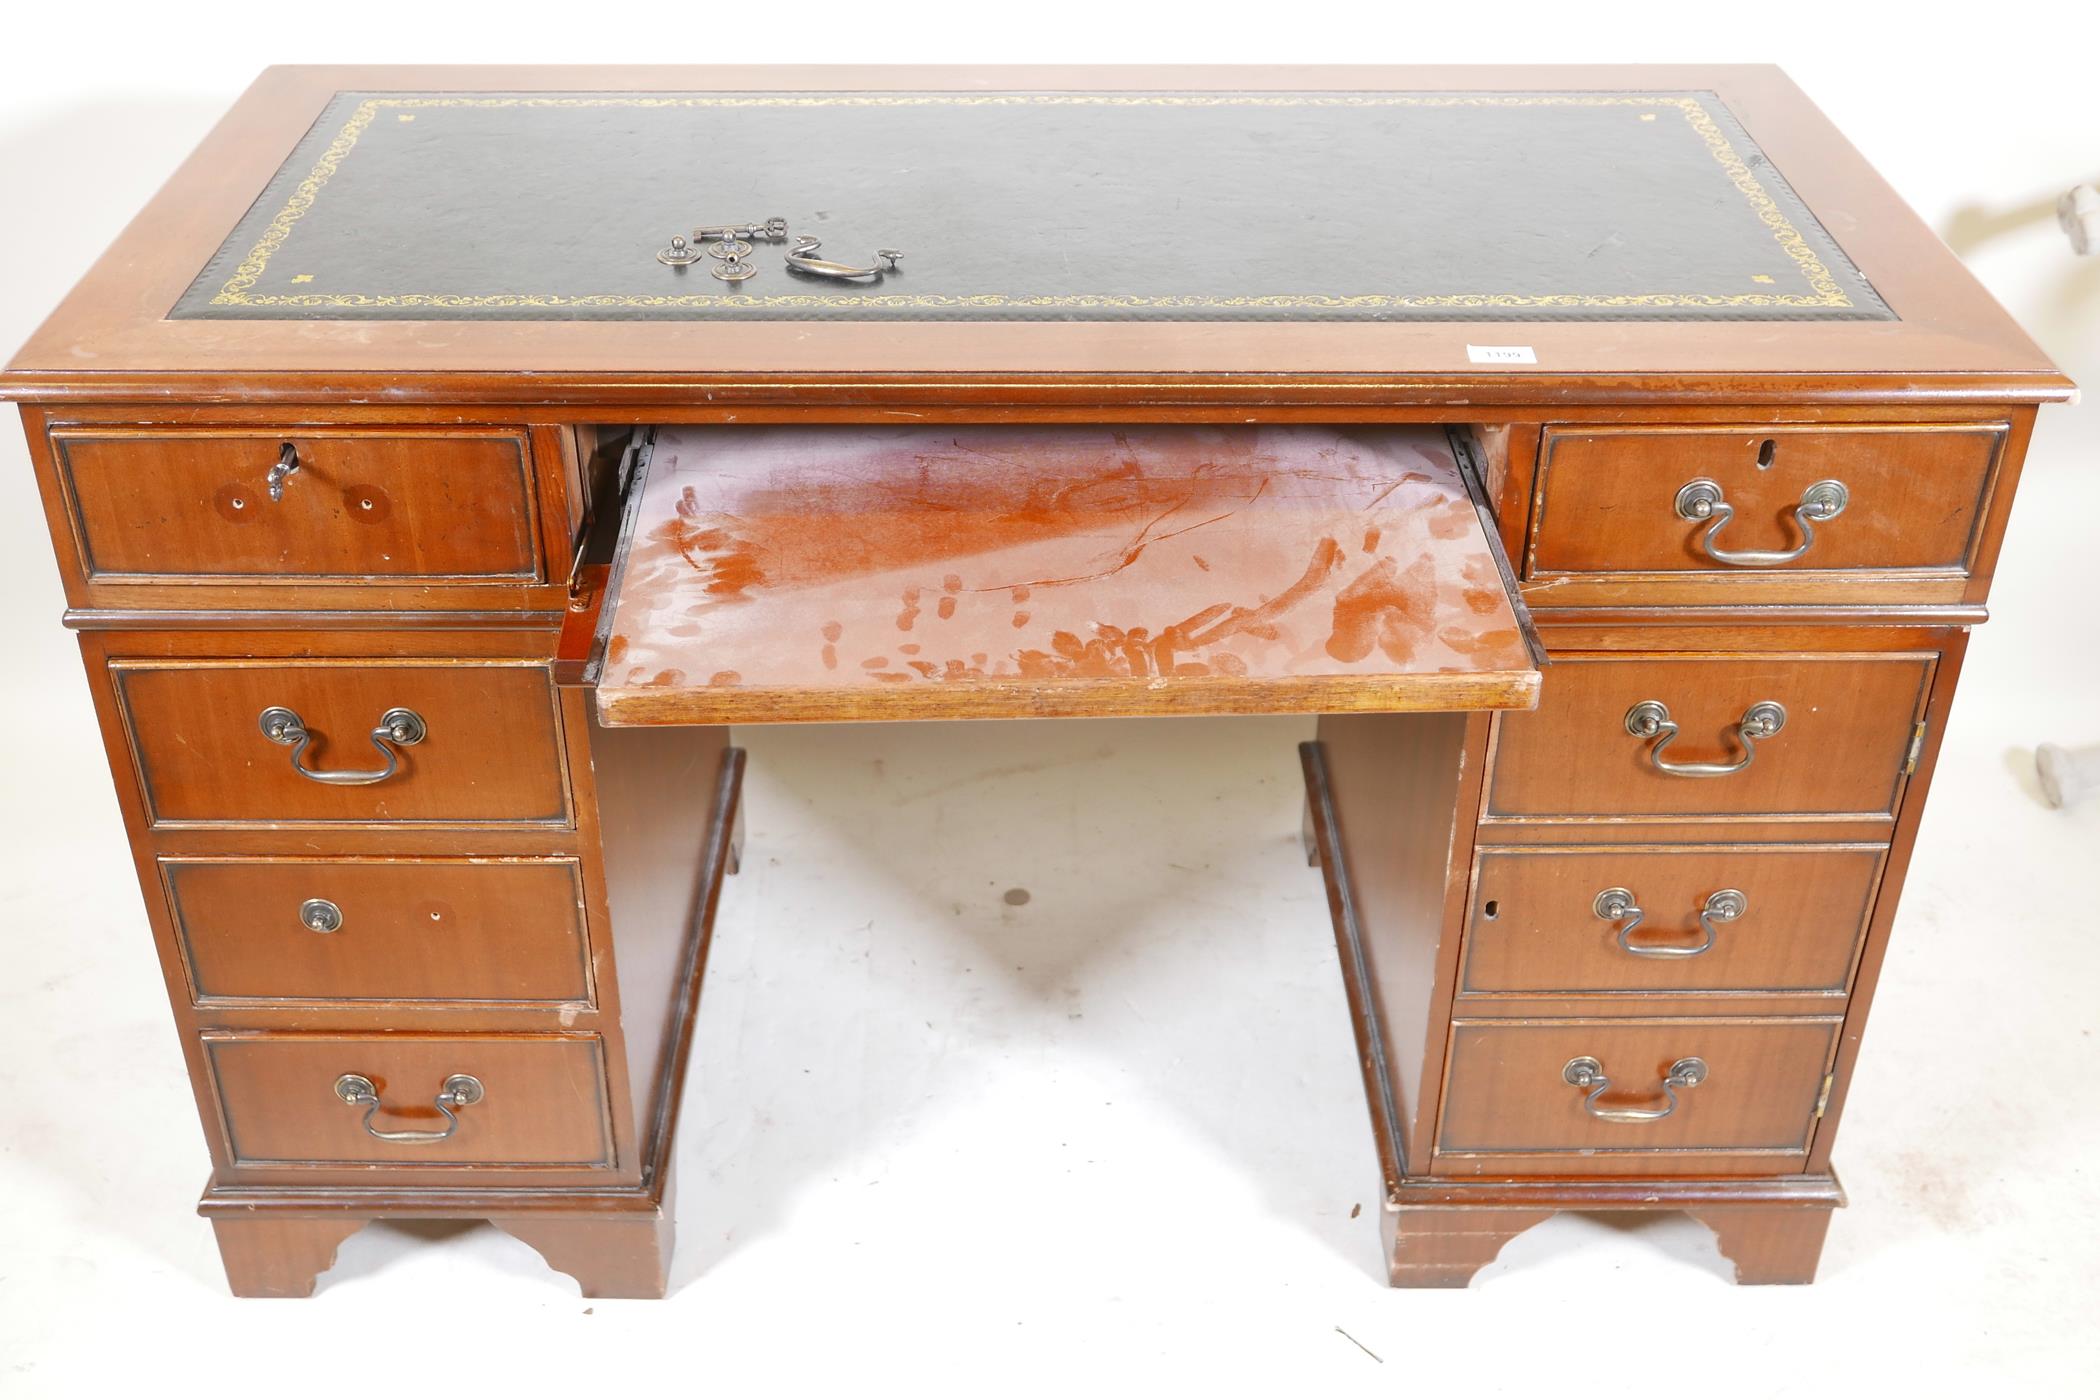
{"points": [[1607, 456]]}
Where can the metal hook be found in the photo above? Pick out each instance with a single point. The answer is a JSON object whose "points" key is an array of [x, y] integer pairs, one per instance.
{"points": [[799, 260]]}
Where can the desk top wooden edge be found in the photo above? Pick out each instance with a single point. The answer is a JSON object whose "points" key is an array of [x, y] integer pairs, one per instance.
{"points": [[111, 338]]}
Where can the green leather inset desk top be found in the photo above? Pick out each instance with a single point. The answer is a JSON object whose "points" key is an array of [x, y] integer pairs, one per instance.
{"points": [[1101, 206]]}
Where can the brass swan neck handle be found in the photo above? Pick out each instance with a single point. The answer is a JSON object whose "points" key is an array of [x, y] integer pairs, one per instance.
{"points": [[800, 259]]}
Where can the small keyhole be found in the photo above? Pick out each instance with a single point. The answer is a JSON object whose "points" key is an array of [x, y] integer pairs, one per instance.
{"points": [[1765, 450], [238, 503], [364, 505], [1490, 908]]}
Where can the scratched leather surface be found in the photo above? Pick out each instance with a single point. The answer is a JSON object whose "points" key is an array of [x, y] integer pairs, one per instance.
{"points": [[773, 564], [1183, 206]]}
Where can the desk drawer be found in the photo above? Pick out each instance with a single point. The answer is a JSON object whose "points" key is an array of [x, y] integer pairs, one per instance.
{"points": [[1519, 1087], [443, 930], [1628, 501], [361, 505], [480, 743], [283, 1101], [776, 574], [1674, 919], [1601, 744]]}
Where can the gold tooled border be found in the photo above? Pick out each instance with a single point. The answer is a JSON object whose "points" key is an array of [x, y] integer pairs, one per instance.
{"points": [[1824, 290]]}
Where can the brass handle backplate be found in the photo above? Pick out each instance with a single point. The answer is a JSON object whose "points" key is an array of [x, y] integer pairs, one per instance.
{"points": [[1585, 1072], [459, 1091], [1617, 906], [1702, 500], [1651, 720], [397, 729]]}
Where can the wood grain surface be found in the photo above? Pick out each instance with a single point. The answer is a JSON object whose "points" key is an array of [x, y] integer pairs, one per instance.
{"points": [[778, 574]]}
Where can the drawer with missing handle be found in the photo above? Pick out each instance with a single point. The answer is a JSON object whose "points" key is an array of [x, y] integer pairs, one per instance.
{"points": [[299, 507], [363, 930]]}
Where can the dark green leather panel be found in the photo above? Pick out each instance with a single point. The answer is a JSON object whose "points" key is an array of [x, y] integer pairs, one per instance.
{"points": [[1037, 207]]}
